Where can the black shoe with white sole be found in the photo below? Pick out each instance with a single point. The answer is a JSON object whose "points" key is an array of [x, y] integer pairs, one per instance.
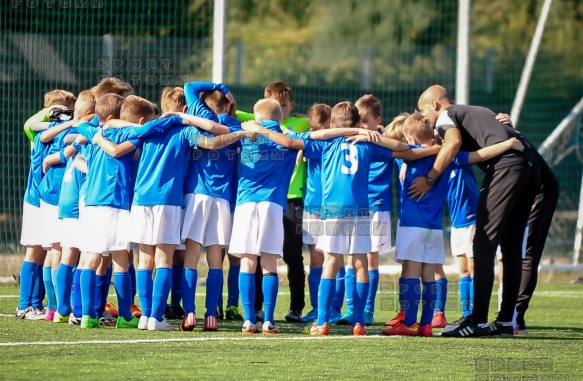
{"points": [[465, 327], [501, 329]]}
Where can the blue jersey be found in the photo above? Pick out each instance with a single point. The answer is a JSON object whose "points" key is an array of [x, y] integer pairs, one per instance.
{"points": [[195, 105], [379, 186], [265, 170], [35, 172], [427, 213], [71, 185], [345, 173], [462, 197]]}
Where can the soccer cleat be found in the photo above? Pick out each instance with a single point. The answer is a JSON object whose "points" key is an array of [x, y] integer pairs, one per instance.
{"points": [[400, 316], [58, 318], [320, 330], [20, 314], [501, 329], [232, 313], [259, 315], [155, 325], [220, 313], [368, 318], [107, 319], [73, 320], [110, 307], [345, 319], [89, 322], [248, 328], [174, 312], [425, 330], [189, 322], [49, 314], [465, 327], [402, 329], [210, 324], [310, 316], [143, 323], [136, 311], [269, 329], [358, 330], [123, 323], [35, 314], [439, 320], [293, 316], [520, 326], [333, 317]]}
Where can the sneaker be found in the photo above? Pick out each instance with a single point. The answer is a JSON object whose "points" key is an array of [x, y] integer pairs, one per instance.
{"points": [[49, 314], [220, 313], [425, 330], [189, 322], [35, 314], [110, 307], [232, 313], [259, 315], [320, 330], [345, 319], [248, 328], [439, 320], [269, 329], [402, 329], [501, 329], [333, 317], [89, 322], [155, 325], [143, 323], [465, 327], [123, 323], [293, 316], [108, 319], [455, 324], [174, 312], [136, 311], [310, 317], [368, 318], [20, 314], [210, 324], [358, 330], [58, 318], [74, 320], [520, 326], [399, 317]]}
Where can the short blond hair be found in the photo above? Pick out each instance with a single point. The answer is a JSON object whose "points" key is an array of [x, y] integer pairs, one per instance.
{"points": [[60, 98], [278, 90], [267, 109], [418, 127], [134, 108], [108, 105], [317, 115], [112, 85], [345, 114], [172, 99], [85, 103], [368, 103], [394, 130]]}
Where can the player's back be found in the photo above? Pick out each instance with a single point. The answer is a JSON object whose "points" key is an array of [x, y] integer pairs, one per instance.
{"points": [[462, 197], [69, 196], [35, 173]]}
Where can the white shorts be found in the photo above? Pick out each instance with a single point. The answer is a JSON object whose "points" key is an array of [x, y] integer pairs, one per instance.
{"points": [[462, 241], [312, 228], [33, 226], [151, 225], [380, 231], [207, 220], [257, 228], [105, 229], [420, 245], [350, 235], [51, 222], [71, 232], [524, 239]]}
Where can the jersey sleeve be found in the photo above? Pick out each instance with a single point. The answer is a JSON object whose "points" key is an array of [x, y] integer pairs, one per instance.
{"points": [[152, 127], [243, 116], [313, 148], [444, 123], [460, 160], [87, 131], [195, 106]]}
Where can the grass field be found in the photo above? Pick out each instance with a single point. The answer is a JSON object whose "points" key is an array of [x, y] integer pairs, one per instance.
{"points": [[553, 350]]}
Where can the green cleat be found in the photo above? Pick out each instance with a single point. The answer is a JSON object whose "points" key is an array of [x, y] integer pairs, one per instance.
{"points": [[232, 313], [89, 322], [123, 323]]}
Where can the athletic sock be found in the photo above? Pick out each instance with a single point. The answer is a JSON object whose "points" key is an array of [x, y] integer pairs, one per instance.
{"points": [[77, 300], [412, 297], [38, 287], [101, 292], [214, 281], [429, 300], [340, 290], [123, 288], [220, 301], [88, 281], [145, 285], [233, 286], [132, 272], [188, 291], [465, 284], [472, 295], [176, 294], [360, 295], [350, 284], [325, 296], [373, 276], [441, 295], [401, 292], [162, 286], [63, 280], [247, 291], [49, 288], [313, 283], [270, 287], [27, 274]]}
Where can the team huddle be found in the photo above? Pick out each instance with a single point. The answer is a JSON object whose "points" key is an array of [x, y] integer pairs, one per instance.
{"points": [[111, 171]]}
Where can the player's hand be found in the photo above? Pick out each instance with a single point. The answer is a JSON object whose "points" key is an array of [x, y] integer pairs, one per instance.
{"points": [[504, 118], [86, 118], [516, 144], [230, 97], [373, 136], [98, 135], [355, 139], [419, 188], [251, 126]]}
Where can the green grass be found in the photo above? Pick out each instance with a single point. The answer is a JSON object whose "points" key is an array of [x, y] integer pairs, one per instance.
{"points": [[553, 349]]}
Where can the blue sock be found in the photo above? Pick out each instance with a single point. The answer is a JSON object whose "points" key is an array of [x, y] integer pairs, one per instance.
{"points": [[401, 292], [233, 286], [247, 291], [54, 280], [162, 286], [465, 283], [340, 290], [472, 295], [145, 286], [325, 297], [429, 300], [27, 275], [360, 295], [64, 279], [101, 291], [220, 301], [188, 291], [123, 289], [77, 300], [441, 290], [73, 286], [49, 288], [411, 299], [38, 287], [313, 283], [214, 281], [373, 276], [176, 294], [350, 284], [270, 287], [88, 281], [132, 272]]}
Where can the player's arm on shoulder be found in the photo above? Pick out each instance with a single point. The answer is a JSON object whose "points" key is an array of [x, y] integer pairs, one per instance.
{"points": [[203, 123], [80, 164], [417, 153], [276, 137], [113, 149], [221, 141], [494, 150], [54, 159], [48, 135], [118, 123]]}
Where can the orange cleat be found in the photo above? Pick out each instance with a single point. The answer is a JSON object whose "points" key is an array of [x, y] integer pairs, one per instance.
{"points": [[136, 311], [359, 330], [425, 330], [269, 329], [320, 330], [402, 329], [210, 324], [110, 307], [188, 323], [400, 316], [439, 320], [248, 328]]}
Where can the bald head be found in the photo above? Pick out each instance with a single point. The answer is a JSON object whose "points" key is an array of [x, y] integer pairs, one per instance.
{"points": [[433, 101]]}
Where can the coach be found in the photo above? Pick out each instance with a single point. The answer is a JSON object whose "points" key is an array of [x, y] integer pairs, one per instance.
{"points": [[507, 194]]}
